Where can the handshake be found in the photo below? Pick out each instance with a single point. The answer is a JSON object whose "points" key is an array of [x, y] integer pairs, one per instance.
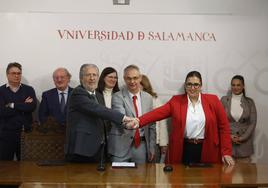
{"points": [[131, 122]]}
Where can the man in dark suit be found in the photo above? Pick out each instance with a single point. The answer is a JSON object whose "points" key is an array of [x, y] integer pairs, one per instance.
{"points": [[85, 134], [53, 103]]}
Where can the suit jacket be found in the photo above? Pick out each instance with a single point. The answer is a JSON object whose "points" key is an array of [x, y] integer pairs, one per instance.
{"points": [[245, 127], [120, 140], [85, 127], [50, 106], [217, 141]]}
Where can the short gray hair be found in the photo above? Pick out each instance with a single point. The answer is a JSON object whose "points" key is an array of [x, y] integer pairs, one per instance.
{"points": [[83, 68], [130, 67]]}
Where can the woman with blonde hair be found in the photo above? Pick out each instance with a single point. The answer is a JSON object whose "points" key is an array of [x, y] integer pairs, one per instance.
{"points": [[161, 126]]}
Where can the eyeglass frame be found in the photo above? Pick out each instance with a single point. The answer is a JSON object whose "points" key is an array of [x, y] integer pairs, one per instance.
{"points": [[190, 85]]}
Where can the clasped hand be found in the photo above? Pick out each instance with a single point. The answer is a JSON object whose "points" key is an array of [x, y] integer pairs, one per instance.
{"points": [[130, 122]]}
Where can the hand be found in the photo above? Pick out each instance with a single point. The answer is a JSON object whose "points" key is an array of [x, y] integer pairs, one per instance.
{"points": [[227, 159], [235, 139], [163, 149], [151, 157], [227, 169], [130, 122], [9, 105], [28, 100]]}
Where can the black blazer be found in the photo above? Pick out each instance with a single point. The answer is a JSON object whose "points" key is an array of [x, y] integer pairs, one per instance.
{"points": [[85, 116]]}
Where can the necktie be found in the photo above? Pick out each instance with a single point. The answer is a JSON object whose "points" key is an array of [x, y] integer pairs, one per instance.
{"points": [[137, 132], [95, 98], [62, 102]]}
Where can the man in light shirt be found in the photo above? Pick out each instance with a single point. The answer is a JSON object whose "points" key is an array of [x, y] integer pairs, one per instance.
{"points": [[132, 145]]}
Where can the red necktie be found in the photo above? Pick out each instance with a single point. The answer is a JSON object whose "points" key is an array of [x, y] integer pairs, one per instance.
{"points": [[137, 132]]}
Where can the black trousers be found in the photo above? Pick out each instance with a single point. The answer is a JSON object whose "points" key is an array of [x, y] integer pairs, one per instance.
{"points": [[9, 145], [191, 153]]}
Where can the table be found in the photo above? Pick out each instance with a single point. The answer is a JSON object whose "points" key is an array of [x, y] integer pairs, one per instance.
{"points": [[30, 175]]}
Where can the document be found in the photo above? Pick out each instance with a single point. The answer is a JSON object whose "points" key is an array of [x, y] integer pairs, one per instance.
{"points": [[123, 164]]}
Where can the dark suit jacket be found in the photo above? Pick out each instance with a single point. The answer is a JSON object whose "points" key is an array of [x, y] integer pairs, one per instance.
{"points": [[50, 106], [85, 116]]}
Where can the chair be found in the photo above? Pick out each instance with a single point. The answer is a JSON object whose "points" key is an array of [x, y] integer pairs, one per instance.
{"points": [[44, 142]]}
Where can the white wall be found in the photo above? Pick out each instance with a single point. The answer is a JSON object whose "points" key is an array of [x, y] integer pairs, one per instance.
{"points": [[237, 7], [29, 35]]}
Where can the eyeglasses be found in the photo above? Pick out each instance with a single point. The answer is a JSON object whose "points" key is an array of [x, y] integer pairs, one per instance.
{"points": [[15, 73], [195, 85], [129, 79]]}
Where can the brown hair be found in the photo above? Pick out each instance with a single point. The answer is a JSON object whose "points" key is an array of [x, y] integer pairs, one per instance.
{"points": [[14, 64], [147, 87]]}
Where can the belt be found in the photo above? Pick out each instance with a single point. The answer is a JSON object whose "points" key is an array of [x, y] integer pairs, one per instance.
{"points": [[193, 140]]}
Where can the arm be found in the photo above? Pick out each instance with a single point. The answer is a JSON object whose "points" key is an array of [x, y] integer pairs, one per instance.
{"points": [[157, 114], [81, 101], [29, 103], [224, 128], [252, 122], [118, 104], [43, 109], [224, 133], [5, 111]]}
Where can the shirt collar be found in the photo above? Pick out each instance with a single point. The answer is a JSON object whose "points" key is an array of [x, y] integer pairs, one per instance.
{"points": [[137, 94], [7, 85], [16, 89], [65, 91], [198, 100], [92, 92]]}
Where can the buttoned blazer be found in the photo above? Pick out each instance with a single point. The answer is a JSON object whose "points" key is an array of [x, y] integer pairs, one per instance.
{"points": [[85, 126], [217, 141], [50, 106], [120, 140], [245, 126]]}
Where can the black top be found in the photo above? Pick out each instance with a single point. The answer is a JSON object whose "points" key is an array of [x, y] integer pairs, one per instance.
{"points": [[14, 119]]}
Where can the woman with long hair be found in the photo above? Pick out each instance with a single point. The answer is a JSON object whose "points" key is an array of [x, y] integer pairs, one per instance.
{"points": [[108, 84], [242, 115], [161, 126]]}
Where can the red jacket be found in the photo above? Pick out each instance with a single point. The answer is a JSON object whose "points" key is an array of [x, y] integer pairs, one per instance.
{"points": [[217, 141]]}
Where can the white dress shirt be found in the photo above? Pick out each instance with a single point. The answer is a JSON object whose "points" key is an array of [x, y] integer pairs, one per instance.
{"points": [[138, 102], [195, 120], [65, 92]]}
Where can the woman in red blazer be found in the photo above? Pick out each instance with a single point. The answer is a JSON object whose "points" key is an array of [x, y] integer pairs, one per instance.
{"points": [[200, 129]]}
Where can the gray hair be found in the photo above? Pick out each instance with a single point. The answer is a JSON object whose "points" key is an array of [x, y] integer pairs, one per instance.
{"points": [[84, 67], [65, 70], [130, 67]]}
